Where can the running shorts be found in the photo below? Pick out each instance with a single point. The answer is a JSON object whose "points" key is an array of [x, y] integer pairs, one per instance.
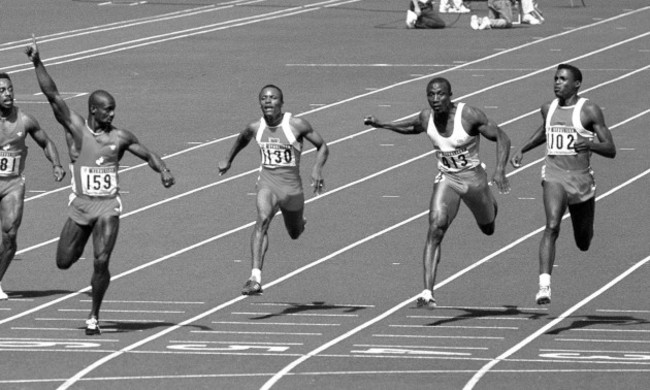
{"points": [[287, 189], [85, 211], [10, 185], [579, 185]]}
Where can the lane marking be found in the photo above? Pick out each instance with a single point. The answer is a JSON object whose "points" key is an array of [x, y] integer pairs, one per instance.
{"points": [[485, 369]]}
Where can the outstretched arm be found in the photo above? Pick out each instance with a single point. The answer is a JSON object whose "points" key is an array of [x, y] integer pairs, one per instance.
{"points": [[40, 137], [412, 125], [62, 113], [240, 143], [154, 161]]}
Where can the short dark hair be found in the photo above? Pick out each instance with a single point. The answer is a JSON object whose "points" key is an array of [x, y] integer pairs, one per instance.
{"points": [[439, 80], [577, 74], [275, 87], [4, 75]]}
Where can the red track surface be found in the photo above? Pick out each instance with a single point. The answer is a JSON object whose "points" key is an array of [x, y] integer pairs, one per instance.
{"points": [[338, 309]]}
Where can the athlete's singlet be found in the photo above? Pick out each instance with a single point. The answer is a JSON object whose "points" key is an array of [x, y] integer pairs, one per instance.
{"points": [[279, 149], [563, 129], [13, 150], [459, 151], [94, 173]]}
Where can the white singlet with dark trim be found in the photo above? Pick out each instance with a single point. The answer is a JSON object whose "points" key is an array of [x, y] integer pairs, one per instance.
{"points": [[459, 151], [563, 128]]}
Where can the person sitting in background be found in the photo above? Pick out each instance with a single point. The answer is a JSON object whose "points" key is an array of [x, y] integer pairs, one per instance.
{"points": [[456, 7], [531, 12], [499, 16], [421, 14]]}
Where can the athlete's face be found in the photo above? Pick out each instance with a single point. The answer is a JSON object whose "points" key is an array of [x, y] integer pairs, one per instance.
{"points": [[6, 95], [564, 84], [103, 111], [271, 101], [439, 97]]}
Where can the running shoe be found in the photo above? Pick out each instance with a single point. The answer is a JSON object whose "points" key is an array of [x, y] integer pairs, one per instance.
{"points": [[458, 10], [474, 22], [485, 24], [92, 327], [543, 296], [3, 296], [426, 300], [252, 288], [530, 19]]}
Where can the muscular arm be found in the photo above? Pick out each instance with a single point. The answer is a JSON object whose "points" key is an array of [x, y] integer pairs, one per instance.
{"points": [[243, 139], [306, 131], [414, 125], [70, 120], [490, 130], [49, 149], [155, 162], [537, 138], [592, 115]]}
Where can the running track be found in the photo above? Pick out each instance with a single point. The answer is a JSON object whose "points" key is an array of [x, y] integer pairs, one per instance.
{"points": [[338, 310]]}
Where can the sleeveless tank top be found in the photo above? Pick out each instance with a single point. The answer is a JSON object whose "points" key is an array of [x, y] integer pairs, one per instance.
{"points": [[13, 150], [457, 152], [279, 149], [563, 129], [94, 173]]}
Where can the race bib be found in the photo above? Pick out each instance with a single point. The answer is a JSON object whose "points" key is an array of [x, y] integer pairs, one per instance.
{"points": [[99, 181], [277, 155], [454, 160], [561, 141], [9, 163]]}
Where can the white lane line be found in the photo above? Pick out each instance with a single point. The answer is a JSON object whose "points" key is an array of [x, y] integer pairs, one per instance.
{"points": [[253, 313], [427, 336], [454, 327], [603, 341], [485, 369], [256, 333], [417, 346], [467, 318], [271, 323], [389, 312]]}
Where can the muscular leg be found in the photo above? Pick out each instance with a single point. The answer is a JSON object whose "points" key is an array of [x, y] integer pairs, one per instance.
{"points": [[104, 237], [483, 206], [267, 207], [582, 219], [71, 245], [555, 204], [11, 215], [443, 209]]}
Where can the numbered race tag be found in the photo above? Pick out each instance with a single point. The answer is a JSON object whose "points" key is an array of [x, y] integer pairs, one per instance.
{"points": [[99, 181], [561, 140], [454, 160], [277, 155], [9, 163]]}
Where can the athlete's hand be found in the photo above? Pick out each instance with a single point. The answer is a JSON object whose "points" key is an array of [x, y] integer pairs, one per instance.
{"points": [[32, 50], [370, 120], [59, 173], [167, 178], [223, 167], [318, 183], [582, 145], [501, 181], [516, 159]]}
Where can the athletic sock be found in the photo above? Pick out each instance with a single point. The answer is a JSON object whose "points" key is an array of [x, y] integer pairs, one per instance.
{"points": [[256, 275], [545, 280]]}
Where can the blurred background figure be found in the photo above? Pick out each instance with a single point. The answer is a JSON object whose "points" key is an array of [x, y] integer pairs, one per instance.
{"points": [[422, 14]]}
